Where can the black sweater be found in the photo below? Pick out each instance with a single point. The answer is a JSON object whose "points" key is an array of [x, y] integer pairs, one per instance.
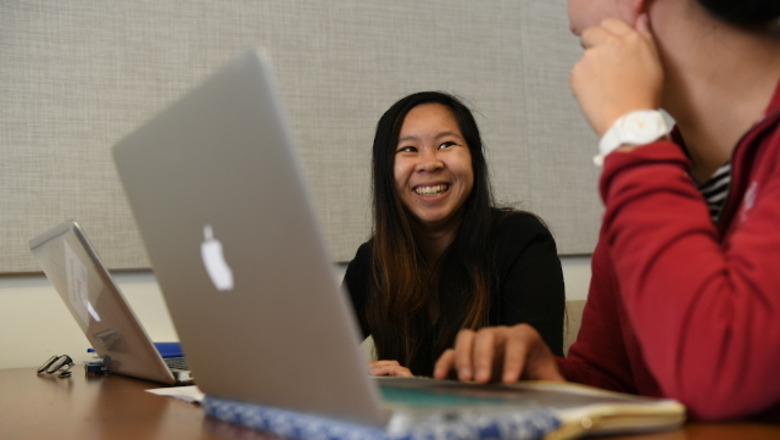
{"points": [[529, 287]]}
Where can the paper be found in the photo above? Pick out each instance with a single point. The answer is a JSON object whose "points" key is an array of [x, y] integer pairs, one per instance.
{"points": [[189, 393]]}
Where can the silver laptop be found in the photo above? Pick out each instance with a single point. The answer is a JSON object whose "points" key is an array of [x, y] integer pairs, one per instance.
{"points": [[72, 265], [220, 200], [217, 193]]}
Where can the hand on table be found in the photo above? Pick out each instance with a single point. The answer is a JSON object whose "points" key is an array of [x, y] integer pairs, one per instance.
{"points": [[504, 354], [388, 368]]}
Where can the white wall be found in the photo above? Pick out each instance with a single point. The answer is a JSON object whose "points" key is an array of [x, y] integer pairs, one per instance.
{"points": [[77, 76], [34, 323]]}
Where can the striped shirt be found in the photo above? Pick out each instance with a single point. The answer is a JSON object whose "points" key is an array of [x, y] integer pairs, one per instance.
{"points": [[716, 190]]}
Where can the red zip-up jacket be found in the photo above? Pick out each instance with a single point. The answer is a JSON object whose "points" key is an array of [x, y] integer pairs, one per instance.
{"points": [[679, 307]]}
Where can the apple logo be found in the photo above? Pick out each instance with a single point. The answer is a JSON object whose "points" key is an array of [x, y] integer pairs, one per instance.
{"points": [[214, 260]]}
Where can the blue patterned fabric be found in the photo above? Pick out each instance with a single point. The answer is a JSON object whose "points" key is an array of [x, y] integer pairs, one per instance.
{"points": [[521, 425]]}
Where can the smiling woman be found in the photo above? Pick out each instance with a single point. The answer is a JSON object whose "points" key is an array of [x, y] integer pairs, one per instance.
{"points": [[433, 174], [442, 256]]}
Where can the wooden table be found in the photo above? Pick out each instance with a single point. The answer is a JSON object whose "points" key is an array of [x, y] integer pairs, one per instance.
{"points": [[105, 407], [116, 407]]}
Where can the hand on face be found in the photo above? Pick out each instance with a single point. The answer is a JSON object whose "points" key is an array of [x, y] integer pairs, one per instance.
{"points": [[503, 354], [388, 368], [619, 72]]}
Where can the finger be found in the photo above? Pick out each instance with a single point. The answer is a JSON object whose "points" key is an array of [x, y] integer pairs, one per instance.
{"points": [[541, 364], [593, 36], [538, 362], [609, 27], [485, 344], [550, 373], [377, 370], [382, 367], [383, 363], [464, 343], [400, 371], [616, 26], [543, 368], [390, 370], [516, 351], [444, 364]]}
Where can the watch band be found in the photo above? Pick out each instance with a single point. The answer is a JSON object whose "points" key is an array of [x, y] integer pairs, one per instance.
{"points": [[638, 127]]}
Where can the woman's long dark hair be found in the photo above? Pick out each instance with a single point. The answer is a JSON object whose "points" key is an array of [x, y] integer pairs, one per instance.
{"points": [[405, 309], [744, 12]]}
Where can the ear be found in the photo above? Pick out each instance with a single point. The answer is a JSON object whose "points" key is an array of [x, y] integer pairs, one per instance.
{"points": [[640, 8]]}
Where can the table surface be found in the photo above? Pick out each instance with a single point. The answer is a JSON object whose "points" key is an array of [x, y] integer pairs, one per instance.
{"points": [[116, 407]]}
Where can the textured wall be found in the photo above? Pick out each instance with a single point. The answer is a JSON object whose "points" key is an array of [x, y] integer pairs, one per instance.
{"points": [[76, 76]]}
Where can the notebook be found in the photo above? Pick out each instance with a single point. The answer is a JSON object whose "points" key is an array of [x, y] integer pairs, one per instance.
{"points": [[225, 214], [73, 267]]}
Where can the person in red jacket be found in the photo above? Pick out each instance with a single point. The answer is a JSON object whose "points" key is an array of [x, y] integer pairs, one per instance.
{"points": [[684, 300]]}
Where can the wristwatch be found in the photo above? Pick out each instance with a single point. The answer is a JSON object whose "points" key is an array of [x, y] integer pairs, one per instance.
{"points": [[638, 127]]}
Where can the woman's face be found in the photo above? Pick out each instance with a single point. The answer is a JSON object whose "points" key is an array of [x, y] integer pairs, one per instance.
{"points": [[433, 170]]}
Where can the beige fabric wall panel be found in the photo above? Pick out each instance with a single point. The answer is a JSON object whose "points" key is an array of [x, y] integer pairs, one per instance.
{"points": [[75, 77]]}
